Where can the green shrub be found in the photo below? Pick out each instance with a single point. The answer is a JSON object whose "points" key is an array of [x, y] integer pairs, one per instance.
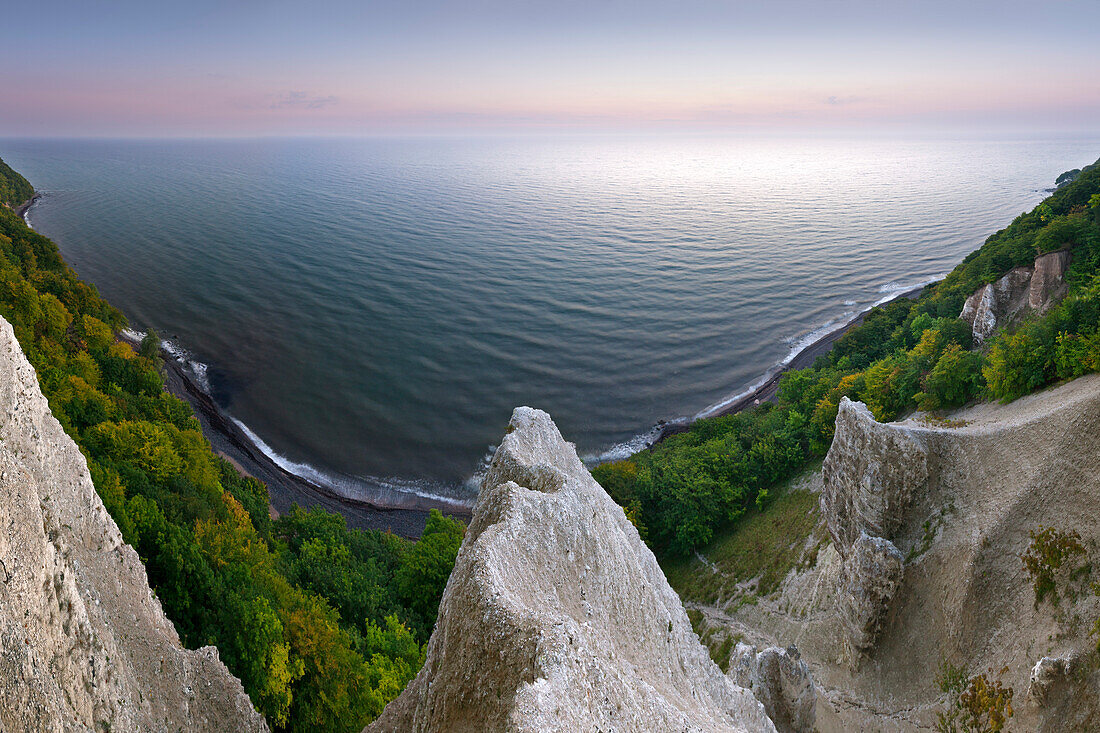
{"points": [[983, 706], [1049, 552], [1020, 363], [952, 679], [1063, 232], [954, 380]]}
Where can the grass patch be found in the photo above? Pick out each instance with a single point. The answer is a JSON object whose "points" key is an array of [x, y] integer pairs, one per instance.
{"points": [[930, 528], [763, 546], [721, 655], [719, 642]]}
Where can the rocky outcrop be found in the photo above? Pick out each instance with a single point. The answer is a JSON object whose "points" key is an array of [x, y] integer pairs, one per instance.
{"points": [[869, 477], [943, 511], [868, 579], [1047, 673], [980, 309], [1020, 291], [1048, 280], [84, 644], [558, 618], [870, 473], [782, 683]]}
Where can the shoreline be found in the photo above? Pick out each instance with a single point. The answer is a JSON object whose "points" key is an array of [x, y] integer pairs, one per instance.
{"points": [[407, 519], [283, 487], [769, 389], [23, 208]]}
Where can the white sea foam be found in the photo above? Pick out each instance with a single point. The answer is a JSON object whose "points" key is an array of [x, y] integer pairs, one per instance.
{"points": [[197, 370], [302, 470], [627, 448], [801, 343], [640, 442], [27, 211], [798, 345], [892, 288], [375, 489], [371, 488], [473, 483], [725, 402]]}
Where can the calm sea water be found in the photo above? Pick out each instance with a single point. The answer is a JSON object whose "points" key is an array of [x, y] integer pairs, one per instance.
{"points": [[374, 309]]}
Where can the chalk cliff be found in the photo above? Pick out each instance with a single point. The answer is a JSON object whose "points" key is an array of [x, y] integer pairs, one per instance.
{"points": [[1019, 292], [84, 644], [558, 618], [928, 520]]}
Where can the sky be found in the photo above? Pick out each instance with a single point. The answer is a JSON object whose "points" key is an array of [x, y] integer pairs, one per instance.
{"points": [[408, 67]]}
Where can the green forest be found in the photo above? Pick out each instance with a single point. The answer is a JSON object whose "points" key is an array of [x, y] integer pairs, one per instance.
{"points": [[907, 355], [15, 190], [323, 624]]}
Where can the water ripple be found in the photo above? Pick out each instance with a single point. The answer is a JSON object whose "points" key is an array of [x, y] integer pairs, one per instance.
{"points": [[376, 308]]}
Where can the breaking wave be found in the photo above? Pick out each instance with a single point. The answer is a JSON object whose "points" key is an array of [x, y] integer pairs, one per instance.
{"points": [[373, 489], [385, 491]]}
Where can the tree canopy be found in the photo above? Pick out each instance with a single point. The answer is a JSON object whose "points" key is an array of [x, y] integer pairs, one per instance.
{"points": [[14, 188]]}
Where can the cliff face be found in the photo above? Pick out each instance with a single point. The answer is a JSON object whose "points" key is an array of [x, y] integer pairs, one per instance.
{"points": [[870, 476], [84, 644], [928, 520], [951, 505], [1020, 291], [558, 618]]}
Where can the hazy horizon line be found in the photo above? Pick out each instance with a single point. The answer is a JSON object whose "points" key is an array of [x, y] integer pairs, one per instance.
{"points": [[965, 132]]}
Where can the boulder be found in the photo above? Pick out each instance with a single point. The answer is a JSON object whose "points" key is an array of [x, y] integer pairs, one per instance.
{"points": [[868, 580], [1047, 673]]}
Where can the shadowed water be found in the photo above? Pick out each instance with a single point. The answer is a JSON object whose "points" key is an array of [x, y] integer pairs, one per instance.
{"points": [[376, 308]]}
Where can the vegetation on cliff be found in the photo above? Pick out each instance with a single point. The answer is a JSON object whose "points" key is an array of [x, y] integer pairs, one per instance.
{"points": [[906, 355], [324, 625], [14, 188]]}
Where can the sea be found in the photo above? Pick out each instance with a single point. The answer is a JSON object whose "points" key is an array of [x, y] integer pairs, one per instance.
{"points": [[371, 310]]}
